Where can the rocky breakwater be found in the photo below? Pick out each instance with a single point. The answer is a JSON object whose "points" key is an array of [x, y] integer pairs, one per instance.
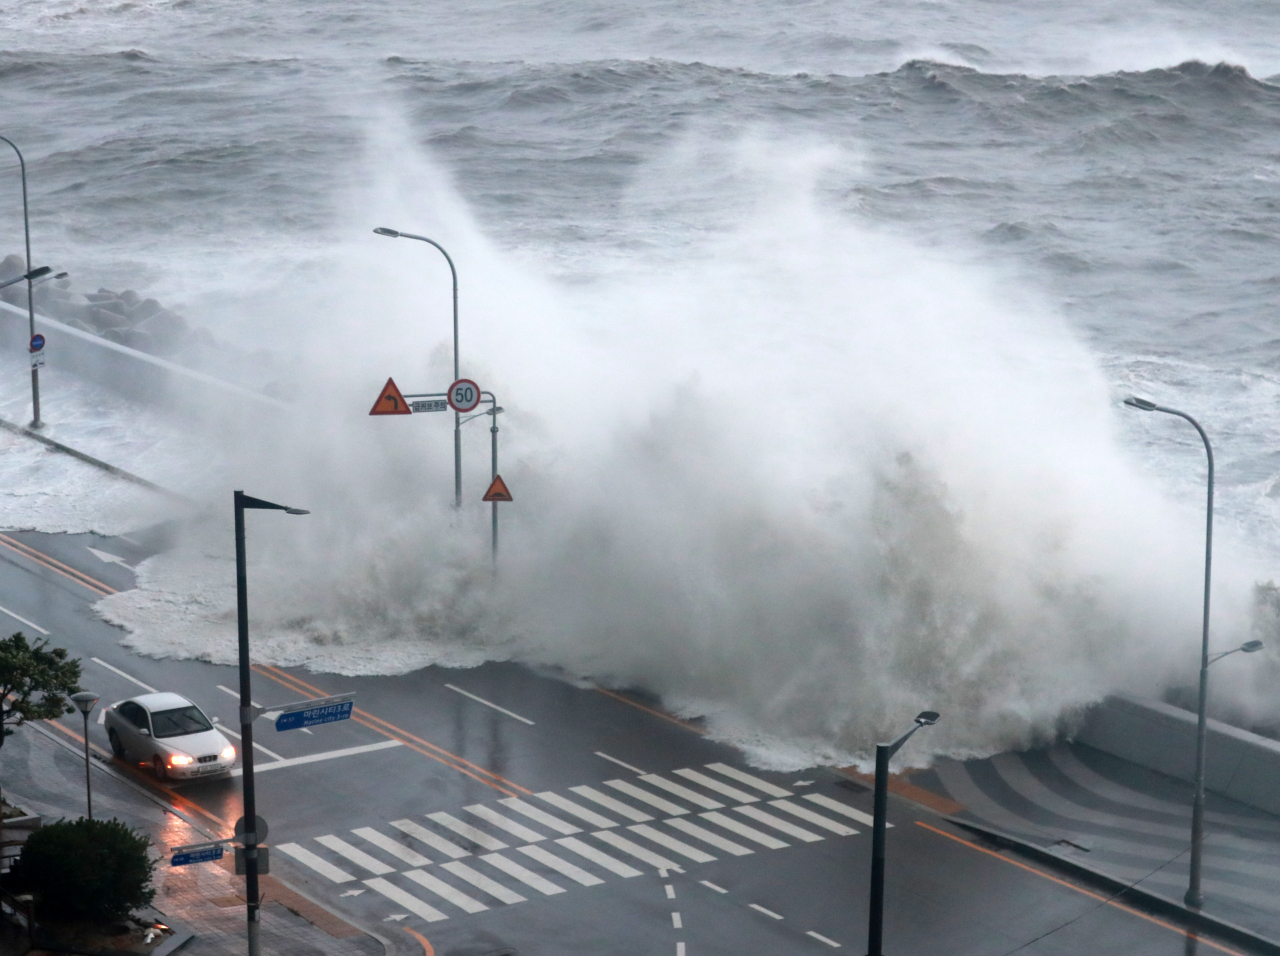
{"points": [[125, 318]]}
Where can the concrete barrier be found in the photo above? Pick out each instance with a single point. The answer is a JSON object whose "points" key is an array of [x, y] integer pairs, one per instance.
{"points": [[1161, 737], [132, 373]]}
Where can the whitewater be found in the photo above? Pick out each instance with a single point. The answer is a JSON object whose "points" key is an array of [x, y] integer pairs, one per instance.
{"points": [[811, 325]]}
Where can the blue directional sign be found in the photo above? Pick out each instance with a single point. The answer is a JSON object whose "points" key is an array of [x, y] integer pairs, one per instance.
{"points": [[316, 715], [208, 855]]}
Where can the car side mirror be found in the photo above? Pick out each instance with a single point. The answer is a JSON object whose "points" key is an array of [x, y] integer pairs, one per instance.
{"points": [[144, 731]]}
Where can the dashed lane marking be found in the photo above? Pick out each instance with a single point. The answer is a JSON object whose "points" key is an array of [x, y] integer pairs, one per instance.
{"points": [[316, 758], [598, 753], [489, 703], [36, 627], [711, 886], [128, 677], [822, 939], [676, 922], [760, 909]]}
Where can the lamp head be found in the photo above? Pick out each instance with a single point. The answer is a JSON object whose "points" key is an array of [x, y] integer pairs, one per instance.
{"points": [[496, 410], [84, 701], [384, 231], [1141, 403], [38, 273], [927, 718], [296, 511], [1250, 647], [61, 275]]}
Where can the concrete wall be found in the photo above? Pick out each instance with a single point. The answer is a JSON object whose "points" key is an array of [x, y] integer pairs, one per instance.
{"points": [[130, 372], [1159, 736]]}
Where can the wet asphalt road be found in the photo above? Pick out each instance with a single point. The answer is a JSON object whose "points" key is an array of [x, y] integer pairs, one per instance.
{"points": [[475, 811]]}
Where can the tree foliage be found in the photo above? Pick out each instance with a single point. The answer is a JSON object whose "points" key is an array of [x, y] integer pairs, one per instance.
{"points": [[36, 681], [85, 869]]}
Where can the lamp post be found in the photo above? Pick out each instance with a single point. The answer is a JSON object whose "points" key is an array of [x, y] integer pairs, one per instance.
{"points": [[875, 921], [1194, 896], [84, 702], [250, 836], [457, 423], [31, 308]]}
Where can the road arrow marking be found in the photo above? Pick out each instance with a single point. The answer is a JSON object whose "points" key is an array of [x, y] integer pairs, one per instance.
{"points": [[107, 558], [353, 892], [397, 917]]}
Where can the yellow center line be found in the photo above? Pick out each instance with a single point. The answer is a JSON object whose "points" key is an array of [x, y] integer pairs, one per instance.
{"points": [[79, 577], [426, 945], [1102, 899], [649, 710]]}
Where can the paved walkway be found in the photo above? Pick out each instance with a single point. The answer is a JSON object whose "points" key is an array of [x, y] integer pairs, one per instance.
{"points": [[47, 778], [1125, 821]]}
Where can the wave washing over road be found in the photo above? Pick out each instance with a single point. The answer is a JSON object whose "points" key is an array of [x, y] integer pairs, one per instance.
{"points": [[810, 347]]}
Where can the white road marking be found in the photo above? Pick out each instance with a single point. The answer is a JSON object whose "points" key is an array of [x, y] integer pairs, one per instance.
{"points": [[679, 949], [621, 809], [356, 856], [22, 620], [541, 816], [517, 830], [394, 847], [665, 806], [804, 783], [128, 677], [822, 939], [446, 892], [102, 715], [430, 838], [684, 793], [671, 843], [760, 909], [106, 557], [323, 867], [395, 917], [478, 837], [482, 882], [352, 893], [722, 788], [754, 782], [838, 807], [315, 758], [620, 842], [235, 694], [563, 867], [523, 874], [604, 860], [489, 703], [712, 886], [675, 921], [817, 819], [751, 833], [600, 753], [706, 836], [270, 753], [407, 900], [582, 813], [671, 891], [779, 824]]}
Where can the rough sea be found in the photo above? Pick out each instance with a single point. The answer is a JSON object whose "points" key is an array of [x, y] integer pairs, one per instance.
{"points": [[811, 321]]}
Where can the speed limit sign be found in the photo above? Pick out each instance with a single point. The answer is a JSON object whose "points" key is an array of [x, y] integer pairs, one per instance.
{"points": [[464, 395]]}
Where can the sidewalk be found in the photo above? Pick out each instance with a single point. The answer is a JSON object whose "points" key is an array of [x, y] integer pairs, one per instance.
{"points": [[46, 777], [1104, 814]]}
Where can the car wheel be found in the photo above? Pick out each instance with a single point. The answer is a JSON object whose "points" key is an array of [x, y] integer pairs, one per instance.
{"points": [[117, 748], [157, 765]]}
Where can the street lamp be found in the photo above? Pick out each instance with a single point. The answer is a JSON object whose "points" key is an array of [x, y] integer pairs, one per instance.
{"points": [[875, 922], [1194, 896], [84, 702], [457, 424], [250, 836], [29, 276], [31, 308]]}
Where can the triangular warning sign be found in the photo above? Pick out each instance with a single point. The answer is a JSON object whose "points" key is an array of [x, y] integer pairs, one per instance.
{"points": [[498, 491], [390, 402]]}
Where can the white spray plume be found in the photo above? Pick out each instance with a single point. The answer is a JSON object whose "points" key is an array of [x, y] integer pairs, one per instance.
{"points": [[809, 482]]}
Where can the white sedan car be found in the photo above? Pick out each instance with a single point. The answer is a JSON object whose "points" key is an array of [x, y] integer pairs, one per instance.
{"points": [[170, 733]]}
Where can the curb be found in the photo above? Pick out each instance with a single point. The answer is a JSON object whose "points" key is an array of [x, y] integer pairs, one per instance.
{"points": [[1119, 888], [96, 462]]}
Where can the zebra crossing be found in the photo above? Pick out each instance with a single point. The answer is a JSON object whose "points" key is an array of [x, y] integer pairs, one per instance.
{"points": [[443, 865]]}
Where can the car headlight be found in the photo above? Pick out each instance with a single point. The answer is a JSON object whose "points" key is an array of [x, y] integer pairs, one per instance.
{"points": [[229, 753], [180, 760]]}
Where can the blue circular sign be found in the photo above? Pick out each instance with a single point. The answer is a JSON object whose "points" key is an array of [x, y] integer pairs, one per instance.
{"points": [[37, 342]]}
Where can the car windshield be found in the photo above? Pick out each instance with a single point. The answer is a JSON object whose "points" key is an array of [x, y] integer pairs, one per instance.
{"points": [[175, 723]]}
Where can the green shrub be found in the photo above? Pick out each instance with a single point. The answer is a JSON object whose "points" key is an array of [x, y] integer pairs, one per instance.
{"points": [[85, 869]]}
